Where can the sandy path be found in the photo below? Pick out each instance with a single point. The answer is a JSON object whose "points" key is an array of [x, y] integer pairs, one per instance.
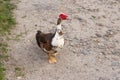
{"points": [[92, 48]]}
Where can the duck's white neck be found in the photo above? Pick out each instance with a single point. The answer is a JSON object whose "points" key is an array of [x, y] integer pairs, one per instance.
{"points": [[59, 27], [58, 30], [58, 39]]}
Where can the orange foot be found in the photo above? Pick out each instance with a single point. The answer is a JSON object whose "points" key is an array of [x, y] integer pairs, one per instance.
{"points": [[55, 54], [52, 60]]}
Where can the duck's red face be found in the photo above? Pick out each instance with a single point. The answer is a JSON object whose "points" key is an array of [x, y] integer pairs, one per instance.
{"points": [[63, 16]]}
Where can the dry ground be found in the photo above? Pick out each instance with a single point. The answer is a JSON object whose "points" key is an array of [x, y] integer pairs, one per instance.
{"points": [[92, 40]]}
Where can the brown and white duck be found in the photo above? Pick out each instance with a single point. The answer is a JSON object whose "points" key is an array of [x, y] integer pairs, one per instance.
{"points": [[49, 42]]}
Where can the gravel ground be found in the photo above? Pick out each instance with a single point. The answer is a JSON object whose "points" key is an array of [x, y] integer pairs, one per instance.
{"points": [[92, 40]]}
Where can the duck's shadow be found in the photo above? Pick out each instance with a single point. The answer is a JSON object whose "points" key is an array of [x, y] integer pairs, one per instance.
{"points": [[34, 54]]}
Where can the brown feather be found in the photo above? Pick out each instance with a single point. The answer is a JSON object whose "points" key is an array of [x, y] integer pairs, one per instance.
{"points": [[44, 40]]}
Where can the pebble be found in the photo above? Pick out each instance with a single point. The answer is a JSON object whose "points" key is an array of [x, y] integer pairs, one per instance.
{"points": [[101, 53], [100, 60], [74, 51], [115, 63], [80, 19], [98, 35], [70, 39], [116, 52], [97, 69], [101, 46], [99, 24], [85, 52], [19, 78], [84, 43], [72, 44], [36, 25], [109, 33]]}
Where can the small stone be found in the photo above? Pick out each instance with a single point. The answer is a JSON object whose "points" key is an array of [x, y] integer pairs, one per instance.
{"points": [[101, 53], [72, 44], [85, 52], [97, 69], [99, 24], [74, 50], [100, 60], [98, 35], [35, 24], [100, 44], [86, 64], [116, 52], [80, 19], [93, 16], [70, 39], [109, 33], [19, 78], [115, 63], [84, 43]]}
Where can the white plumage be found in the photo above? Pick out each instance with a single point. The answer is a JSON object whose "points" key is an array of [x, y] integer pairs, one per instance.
{"points": [[58, 40]]}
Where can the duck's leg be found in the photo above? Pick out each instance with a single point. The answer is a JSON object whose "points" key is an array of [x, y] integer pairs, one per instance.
{"points": [[51, 58], [55, 54]]}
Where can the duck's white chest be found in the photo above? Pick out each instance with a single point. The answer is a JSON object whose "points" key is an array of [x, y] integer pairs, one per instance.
{"points": [[58, 41]]}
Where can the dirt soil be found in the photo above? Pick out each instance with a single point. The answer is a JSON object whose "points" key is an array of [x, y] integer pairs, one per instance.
{"points": [[92, 40]]}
